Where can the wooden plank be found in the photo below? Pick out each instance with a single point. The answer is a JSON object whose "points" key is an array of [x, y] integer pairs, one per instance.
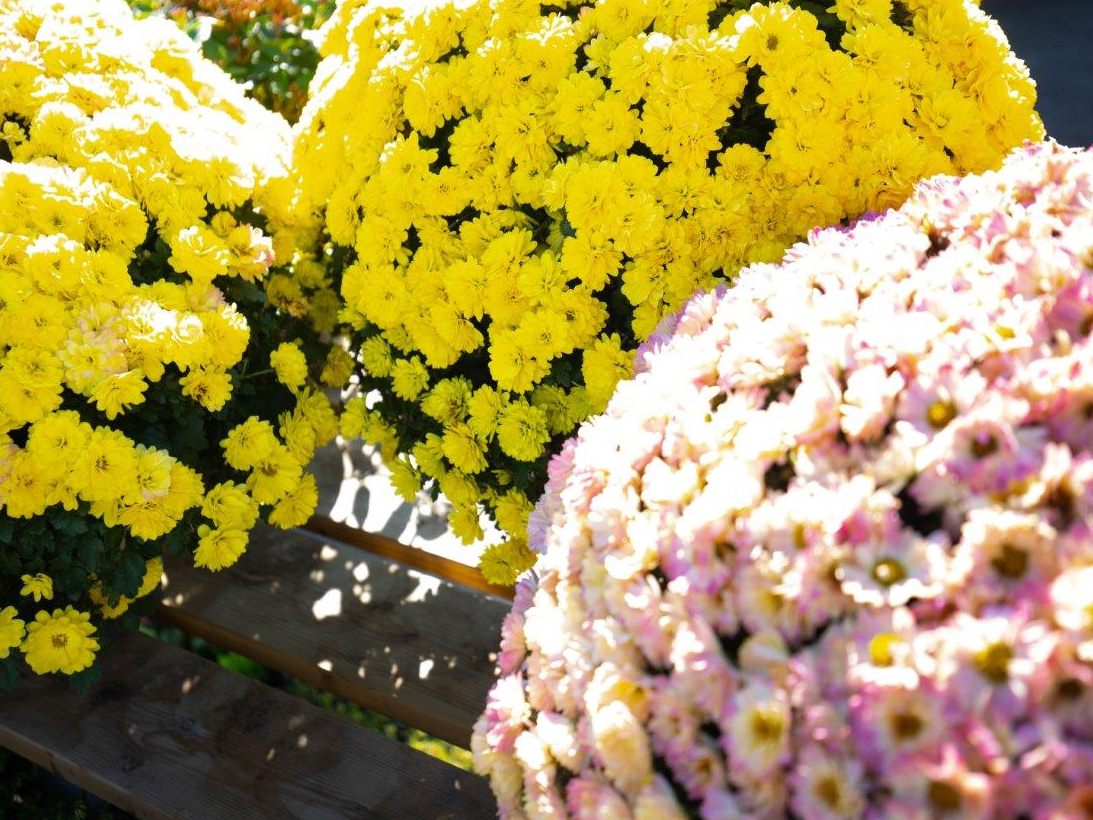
{"points": [[415, 557], [169, 735], [404, 643]]}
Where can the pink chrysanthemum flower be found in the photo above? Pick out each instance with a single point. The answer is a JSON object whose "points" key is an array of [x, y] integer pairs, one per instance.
{"points": [[830, 553]]}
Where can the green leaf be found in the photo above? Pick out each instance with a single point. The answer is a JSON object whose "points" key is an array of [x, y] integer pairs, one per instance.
{"points": [[69, 580], [190, 435], [89, 550], [112, 537], [9, 673], [127, 575], [70, 523], [9, 563], [7, 530], [178, 540], [36, 541], [130, 619], [83, 681], [242, 665]]}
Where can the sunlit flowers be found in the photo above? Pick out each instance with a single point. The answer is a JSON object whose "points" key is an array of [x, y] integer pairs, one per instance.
{"points": [[135, 337], [828, 554], [514, 194]]}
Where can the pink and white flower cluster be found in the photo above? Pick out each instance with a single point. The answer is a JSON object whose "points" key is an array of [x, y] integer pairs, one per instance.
{"points": [[829, 554]]}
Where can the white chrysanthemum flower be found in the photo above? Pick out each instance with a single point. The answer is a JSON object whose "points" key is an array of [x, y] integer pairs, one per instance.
{"points": [[826, 786], [759, 729], [891, 573], [1072, 597], [622, 746]]}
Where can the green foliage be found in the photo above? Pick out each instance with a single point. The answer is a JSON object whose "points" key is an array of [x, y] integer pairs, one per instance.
{"points": [[263, 44]]}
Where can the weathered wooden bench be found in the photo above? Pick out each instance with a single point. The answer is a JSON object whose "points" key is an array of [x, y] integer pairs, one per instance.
{"points": [[167, 734]]}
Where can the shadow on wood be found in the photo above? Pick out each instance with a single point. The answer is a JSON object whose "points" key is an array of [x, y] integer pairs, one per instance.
{"points": [[169, 734], [396, 640]]}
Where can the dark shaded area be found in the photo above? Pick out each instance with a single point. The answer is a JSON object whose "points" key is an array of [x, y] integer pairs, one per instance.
{"points": [[1053, 40], [30, 792]]}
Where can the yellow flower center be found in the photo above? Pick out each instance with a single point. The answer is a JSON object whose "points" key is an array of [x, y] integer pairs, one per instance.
{"points": [[828, 792], [940, 413], [1010, 562], [1069, 689], [59, 641], [993, 661], [880, 648], [888, 571], [1086, 326], [983, 446], [906, 726], [943, 797], [766, 725], [799, 536]]}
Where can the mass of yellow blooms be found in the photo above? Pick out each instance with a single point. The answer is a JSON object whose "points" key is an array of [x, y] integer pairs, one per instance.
{"points": [[132, 180], [517, 192]]}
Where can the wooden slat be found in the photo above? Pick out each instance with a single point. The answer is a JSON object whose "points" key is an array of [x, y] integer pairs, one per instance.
{"points": [[404, 643], [169, 735], [415, 557], [355, 494]]}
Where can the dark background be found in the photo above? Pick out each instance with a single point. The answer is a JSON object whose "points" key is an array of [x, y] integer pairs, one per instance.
{"points": [[1055, 39]]}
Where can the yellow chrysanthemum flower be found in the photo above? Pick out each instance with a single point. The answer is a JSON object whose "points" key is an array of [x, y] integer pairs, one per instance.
{"points": [[337, 368], [505, 562], [297, 506], [229, 505], [290, 365], [273, 475], [219, 548], [12, 630], [605, 364], [522, 431], [38, 586], [60, 641], [463, 449], [209, 386], [249, 442], [409, 377], [118, 392], [405, 479], [135, 184], [106, 609], [105, 469], [569, 175]]}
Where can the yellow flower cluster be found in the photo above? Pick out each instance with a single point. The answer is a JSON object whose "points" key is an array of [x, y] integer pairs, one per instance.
{"points": [[133, 176], [519, 192], [62, 640]]}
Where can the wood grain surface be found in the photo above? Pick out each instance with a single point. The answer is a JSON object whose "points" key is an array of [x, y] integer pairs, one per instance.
{"points": [[402, 642], [168, 734], [416, 557]]}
